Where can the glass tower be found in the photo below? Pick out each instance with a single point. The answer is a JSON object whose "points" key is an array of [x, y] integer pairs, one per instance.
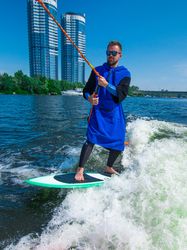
{"points": [[43, 39], [73, 66]]}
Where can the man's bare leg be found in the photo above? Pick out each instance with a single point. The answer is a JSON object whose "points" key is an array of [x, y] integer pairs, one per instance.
{"points": [[79, 174]]}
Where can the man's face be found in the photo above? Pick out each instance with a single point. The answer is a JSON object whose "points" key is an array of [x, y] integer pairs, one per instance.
{"points": [[113, 55]]}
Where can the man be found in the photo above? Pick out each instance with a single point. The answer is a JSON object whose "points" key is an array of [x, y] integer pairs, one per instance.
{"points": [[106, 124]]}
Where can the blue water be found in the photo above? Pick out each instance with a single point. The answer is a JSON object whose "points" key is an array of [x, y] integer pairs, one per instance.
{"points": [[24, 118], [163, 109], [44, 134]]}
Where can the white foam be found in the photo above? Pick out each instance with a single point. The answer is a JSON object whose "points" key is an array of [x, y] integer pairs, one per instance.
{"points": [[142, 209]]}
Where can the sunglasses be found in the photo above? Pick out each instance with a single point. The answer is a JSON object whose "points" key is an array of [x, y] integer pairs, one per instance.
{"points": [[112, 52]]}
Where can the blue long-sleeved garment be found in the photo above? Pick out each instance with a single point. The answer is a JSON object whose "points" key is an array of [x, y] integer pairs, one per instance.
{"points": [[111, 88]]}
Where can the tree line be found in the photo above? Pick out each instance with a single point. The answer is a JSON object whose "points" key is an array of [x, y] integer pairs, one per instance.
{"points": [[20, 83], [23, 84]]}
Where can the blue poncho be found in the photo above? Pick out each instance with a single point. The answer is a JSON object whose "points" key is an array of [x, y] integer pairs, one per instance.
{"points": [[107, 122]]}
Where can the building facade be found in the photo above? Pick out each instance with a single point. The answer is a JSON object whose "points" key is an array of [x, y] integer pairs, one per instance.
{"points": [[73, 66], [43, 39]]}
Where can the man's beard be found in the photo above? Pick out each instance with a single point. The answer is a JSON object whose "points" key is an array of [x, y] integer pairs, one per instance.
{"points": [[112, 63]]}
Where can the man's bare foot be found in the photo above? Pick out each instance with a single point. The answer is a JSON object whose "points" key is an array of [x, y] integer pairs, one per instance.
{"points": [[111, 170], [79, 174]]}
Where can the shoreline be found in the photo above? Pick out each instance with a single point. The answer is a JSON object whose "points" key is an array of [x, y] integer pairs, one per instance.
{"points": [[75, 93]]}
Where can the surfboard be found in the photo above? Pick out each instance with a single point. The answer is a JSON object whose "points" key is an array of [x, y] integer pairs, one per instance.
{"points": [[67, 180]]}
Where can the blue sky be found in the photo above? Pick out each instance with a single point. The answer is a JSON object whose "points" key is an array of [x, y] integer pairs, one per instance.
{"points": [[153, 34]]}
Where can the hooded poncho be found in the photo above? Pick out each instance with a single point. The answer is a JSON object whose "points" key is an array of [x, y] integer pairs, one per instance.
{"points": [[107, 122]]}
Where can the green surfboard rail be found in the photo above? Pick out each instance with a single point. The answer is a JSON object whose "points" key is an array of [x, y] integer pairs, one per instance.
{"points": [[37, 182]]}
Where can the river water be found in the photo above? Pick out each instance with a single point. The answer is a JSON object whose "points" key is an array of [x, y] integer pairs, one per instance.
{"points": [[144, 208]]}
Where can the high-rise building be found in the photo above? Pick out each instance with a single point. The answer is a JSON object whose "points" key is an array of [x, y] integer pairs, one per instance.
{"points": [[43, 39], [73, 66]]}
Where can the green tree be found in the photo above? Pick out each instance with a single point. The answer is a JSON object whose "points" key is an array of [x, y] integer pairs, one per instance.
{"points": [[18, 77], [23, 84], [7, 84], [40, 86], [54, 87], [134, 91]]}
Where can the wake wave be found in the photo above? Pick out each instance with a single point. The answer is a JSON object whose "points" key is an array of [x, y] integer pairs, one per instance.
{"points": [[144, 208]]}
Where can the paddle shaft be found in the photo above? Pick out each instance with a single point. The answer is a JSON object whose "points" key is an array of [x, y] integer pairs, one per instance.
{"points": [[68, 37]]}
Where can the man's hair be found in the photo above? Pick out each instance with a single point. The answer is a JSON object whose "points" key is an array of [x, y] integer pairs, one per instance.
{"points": [[112, 43]]}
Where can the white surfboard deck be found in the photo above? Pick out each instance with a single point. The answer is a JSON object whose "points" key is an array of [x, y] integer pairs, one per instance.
{"points": [[67, 180]]}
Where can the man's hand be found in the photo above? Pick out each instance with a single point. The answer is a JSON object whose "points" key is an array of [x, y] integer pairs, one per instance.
{"points": [[102, 81], [93, 99]]}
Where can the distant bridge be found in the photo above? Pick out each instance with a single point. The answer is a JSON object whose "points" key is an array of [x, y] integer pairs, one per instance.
{"points": [[172, 94]]}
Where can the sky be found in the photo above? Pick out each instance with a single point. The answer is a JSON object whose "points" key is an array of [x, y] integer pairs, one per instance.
{"points": [[153, 34]]}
